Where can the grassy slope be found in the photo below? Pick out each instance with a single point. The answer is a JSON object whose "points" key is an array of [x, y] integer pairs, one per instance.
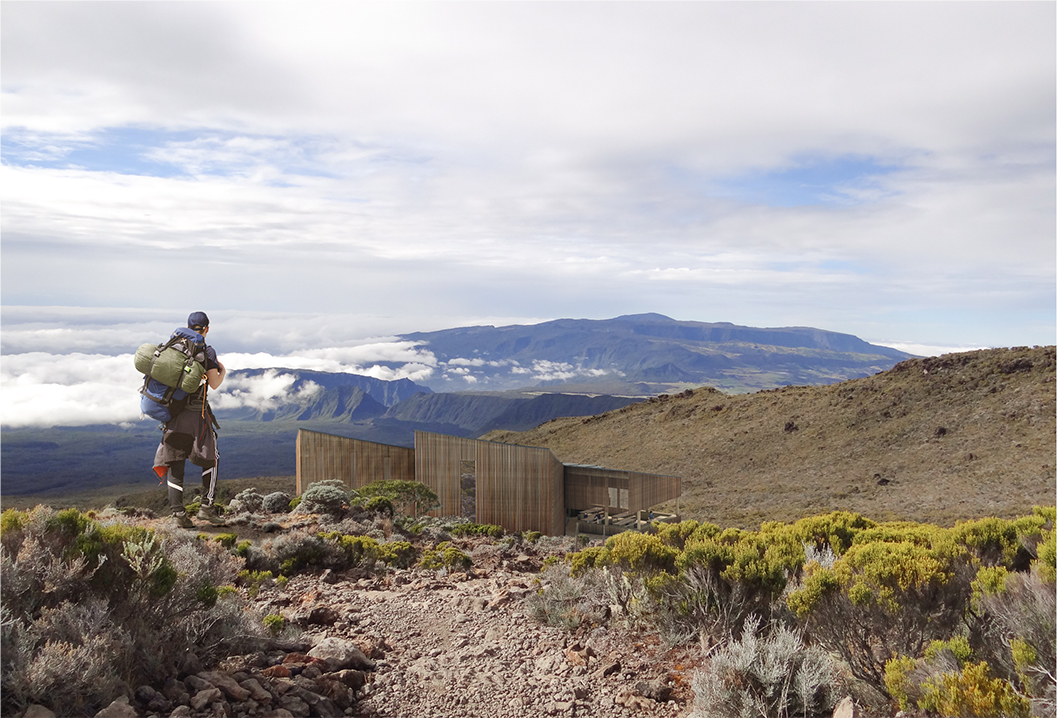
{"points": [[956, 436]]}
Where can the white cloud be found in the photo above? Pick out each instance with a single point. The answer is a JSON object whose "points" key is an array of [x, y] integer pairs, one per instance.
{"points": [[43, 389], [926, 350], [263, 392], [40, 389]]}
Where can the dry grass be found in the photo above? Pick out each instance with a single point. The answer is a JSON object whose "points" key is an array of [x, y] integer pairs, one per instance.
{"points": [[932, 440]]}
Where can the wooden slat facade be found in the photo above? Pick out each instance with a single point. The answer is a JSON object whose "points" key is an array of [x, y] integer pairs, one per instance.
{"points": [[522, 488], [356, 462], [517, 487], [619, 491]]}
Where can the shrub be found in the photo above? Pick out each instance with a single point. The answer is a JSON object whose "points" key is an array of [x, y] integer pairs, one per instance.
{"points": [[295, 551], [776, 675], [836, 529], [380, 505], [884, 599], [676, 535], [359, 551], [275, 623], [725, 578], [399, 554], [568, 602], [324, 497], [445, 556], [73, 590], [276, 502], [588, 558], [226, 540], [1045, 557], [254, 581], [411, 497], [248, 500], [972, 692], [472, 529], [1018, 635], [995, 542], [640, 553]]}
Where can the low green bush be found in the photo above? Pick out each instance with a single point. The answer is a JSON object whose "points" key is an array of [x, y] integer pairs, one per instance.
{"points": [[445, 556], [398, 554], [275, 623], [226, 540], [471, 529], [588, 558]]}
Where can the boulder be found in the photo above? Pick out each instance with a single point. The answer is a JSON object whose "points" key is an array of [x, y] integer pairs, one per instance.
{"points": [[226, 684], [120, 708], [340, 653], [846, 708]]}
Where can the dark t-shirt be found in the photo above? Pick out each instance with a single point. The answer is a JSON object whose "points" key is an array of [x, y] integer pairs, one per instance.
{"points": [[211, 358]]}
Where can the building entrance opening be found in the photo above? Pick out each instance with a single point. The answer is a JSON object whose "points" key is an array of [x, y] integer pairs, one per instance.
{"points": [[468, 500]]}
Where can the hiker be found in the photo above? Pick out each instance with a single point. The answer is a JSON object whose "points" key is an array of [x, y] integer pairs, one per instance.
{"points": [[191, 434]]}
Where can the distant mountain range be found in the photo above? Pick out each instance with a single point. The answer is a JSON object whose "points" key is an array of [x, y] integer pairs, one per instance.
{"points": [[521, 376], [646, 354]]}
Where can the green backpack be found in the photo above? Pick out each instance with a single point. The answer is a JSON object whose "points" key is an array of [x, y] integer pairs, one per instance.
{"points": [[178, 363]]}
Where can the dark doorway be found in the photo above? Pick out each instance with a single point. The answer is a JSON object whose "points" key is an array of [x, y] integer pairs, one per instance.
{"points": [[468, 486]]}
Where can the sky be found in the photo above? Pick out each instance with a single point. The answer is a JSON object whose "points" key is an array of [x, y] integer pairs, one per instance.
{"points": [[320, 177]]}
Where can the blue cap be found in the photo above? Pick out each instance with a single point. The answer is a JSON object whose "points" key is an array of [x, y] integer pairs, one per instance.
{"points": [[197, 319]]}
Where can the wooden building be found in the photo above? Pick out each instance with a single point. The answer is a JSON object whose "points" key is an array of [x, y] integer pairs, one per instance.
{"points": [[522, 488]]}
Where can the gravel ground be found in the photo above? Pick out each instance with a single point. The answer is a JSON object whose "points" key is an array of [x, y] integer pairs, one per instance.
{"points": [[463, 645]]}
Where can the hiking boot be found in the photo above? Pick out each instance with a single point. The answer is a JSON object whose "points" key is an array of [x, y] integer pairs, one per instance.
{"points": [[180, 520], [209, 513]]}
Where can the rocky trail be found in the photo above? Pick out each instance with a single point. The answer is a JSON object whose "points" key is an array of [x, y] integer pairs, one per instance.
{"points": [[421, 643], [463, 645]]}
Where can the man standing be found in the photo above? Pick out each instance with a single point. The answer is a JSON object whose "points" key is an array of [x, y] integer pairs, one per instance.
{"points": [[191, 434]]}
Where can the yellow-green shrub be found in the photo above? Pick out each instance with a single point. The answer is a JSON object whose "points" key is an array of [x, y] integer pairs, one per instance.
{"points": [[836, 529], [358, 550], [226, 540], [898, 681], [399, 554], [472, 529], [1045, 557], [445, 556], [640, 553], [884, 599], [591, 557], [973, 692], [995, 542], [676, 535]]}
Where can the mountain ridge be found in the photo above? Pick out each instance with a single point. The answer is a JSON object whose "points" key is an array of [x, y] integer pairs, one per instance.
{"points": [[652, 349]]}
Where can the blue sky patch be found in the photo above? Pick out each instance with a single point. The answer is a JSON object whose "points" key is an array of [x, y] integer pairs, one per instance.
{"points": [[815, 181], [162, 153], [123, 150]]}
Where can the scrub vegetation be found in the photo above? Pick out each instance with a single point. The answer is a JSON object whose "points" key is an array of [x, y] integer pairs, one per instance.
{"points": [[793, 616]]}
